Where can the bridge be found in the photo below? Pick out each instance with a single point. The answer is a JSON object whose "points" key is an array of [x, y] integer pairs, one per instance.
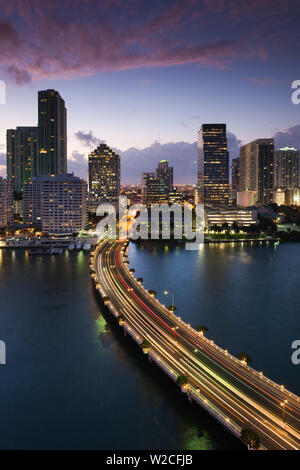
{"points": [[234, 393]]}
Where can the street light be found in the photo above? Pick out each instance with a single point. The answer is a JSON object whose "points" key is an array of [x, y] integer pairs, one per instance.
{"points": [[172, 295], [283, 405]]}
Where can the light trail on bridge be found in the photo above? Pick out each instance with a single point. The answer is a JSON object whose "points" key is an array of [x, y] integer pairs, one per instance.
{"points": [[239, 396]]}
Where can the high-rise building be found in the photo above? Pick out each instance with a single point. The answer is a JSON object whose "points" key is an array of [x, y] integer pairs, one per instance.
{"points": [[104, 176], [146, 177], [6, 203], [154, 190], [22, 151], [213, 165], [56, 204], [165, 172], [235, 174], [287, 168], [52, 129], [257, 169]]}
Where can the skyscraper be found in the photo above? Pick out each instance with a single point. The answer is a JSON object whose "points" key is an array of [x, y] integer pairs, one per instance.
{"points": [[52, 130], [165, 173], [56, 204], [6, 203], [287, 168], [257, 169], [235, 174], [22, 151], [154, 190], [104, 176], [213, 164]]}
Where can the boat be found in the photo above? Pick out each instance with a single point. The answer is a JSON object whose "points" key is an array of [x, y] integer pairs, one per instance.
{"points": [[86, 246]]}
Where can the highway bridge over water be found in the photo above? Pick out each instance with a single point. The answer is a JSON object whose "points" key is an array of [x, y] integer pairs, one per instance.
{"points": [[234, 393]]}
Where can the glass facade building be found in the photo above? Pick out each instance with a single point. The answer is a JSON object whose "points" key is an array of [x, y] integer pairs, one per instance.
{"points": [[52, 130], [22, 151], [213, 165], [257, 169], [287, 162]]}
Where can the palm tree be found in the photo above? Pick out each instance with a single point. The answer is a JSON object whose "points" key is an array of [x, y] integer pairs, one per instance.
{"points": [[172, 308], [182, 380], [202, 328], [145, 344], [245, 357], [235, 227], [225, 227], [152, 292], [250, 438]]}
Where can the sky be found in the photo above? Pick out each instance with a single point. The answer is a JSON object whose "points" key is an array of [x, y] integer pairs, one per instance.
{"points": [[143, 76]]}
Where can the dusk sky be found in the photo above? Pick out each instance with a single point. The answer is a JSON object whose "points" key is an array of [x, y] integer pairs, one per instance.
{"points": [[144, 75]]}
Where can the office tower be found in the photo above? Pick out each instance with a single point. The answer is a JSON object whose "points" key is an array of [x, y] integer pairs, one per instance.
{"points": [[165, 173], [6, 203], [146, 177], [235, 174], [56, 204], [154, 190], [22, 151], [287, 168], [257, 169], [52, 129], [213, 165], [104, 176], [292, 197]]}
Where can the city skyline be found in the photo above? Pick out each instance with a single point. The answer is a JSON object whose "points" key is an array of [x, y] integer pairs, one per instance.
{"points": [[156, 96]]}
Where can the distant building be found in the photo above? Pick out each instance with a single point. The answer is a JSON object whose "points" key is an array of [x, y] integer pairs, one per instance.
{"points": [[104, 176], [279, 197], [219, 216], [154, 190], [175, 197], [292, 197], [287, 168], [22, 151], [235, 175], [52, 130], [246, 198], [213, 165], [257, 169], [165, 172], [56, 204], [6, 203]]}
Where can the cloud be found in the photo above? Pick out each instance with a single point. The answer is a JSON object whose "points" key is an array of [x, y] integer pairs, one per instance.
{"points": [[63, 40], [288, 138], [78, 164], [266, 81], [181, 155], [87, 139], [3, 165]]}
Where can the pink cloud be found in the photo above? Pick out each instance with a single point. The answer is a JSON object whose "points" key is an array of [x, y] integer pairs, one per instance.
{"points": [[266, 81], [51, 42]]}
